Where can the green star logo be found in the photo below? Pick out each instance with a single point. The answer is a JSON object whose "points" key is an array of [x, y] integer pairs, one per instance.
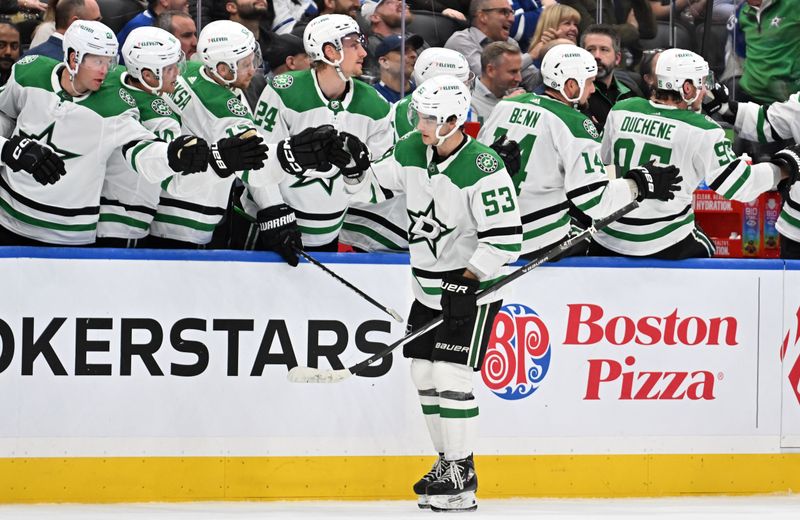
{"points": [[46, 137], [327, 184], [426, 227]]}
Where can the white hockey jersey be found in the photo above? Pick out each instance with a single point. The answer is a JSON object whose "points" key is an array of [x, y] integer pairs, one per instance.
{"points": [[293, 102], [639, 130], [84, 131], [560, 161], [462, 211], [767, 124]]}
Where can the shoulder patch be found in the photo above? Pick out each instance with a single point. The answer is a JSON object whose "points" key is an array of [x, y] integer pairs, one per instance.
{"points": [[27, 59], [282, 81], [236, 107], [591, 129], [486, 163], [127, 98], [160, 107]]}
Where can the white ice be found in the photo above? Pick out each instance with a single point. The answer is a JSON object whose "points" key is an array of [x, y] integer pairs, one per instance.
{"points": [[772, 507]]}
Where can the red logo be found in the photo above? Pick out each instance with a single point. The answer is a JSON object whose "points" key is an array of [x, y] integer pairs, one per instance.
{"points": [[794, 373]]}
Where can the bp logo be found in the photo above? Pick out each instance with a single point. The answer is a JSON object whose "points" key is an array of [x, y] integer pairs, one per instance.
{"points": [[589, 126], [486, 163], [282, 81], [236, 107], [160, 107], [518, 355], [27, 59], [123, 94]]}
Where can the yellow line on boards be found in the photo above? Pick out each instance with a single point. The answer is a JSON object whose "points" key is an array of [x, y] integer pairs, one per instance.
{"points": [[166, 479]]}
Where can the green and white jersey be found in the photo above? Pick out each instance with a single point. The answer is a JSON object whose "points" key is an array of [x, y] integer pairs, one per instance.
{"points": [[128, 202], [462, 212], [190, 212], [767, 124], [293, 102], [638, 131], [560, 162], [84, 131]]}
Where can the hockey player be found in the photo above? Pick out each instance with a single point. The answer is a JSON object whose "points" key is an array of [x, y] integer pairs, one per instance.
{"points": [[561, 153], [68, 107], [327, 94], [669, 130], [767, 124], [464, 226], [128, 202], [209, 100]]}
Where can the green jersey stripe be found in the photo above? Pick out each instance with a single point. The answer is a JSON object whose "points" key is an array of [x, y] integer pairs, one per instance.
{"points": [[738, 184], [186, 222], [451, 413], [563, 221], [430, 409], [666, 230], [322, 230], [364, 230], [44, 223], [122, 219]]}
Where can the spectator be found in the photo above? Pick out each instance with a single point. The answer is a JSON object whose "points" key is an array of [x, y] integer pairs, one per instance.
{"points": [[9, 49], [558, 21], [148, 16], [526, 17], [392, 72], [67, 11], [350, 8], [632, 19], [180, 25], [491, 22], [288, 12], [48, 25], [383, 17], [285, 53], [603, 44], [500, 77]]}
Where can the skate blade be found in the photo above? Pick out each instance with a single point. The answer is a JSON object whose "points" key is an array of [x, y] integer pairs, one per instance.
{"points": [[423, 502], [461, 503]]}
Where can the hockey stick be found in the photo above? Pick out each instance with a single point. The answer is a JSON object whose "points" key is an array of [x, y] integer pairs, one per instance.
{"points": [[300, 374], [391, 312]]}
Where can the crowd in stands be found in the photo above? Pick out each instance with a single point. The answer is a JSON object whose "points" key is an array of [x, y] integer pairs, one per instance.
{"points": [[504, 43]]}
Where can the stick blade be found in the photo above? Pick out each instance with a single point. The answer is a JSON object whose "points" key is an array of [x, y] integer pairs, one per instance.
{"points": [[314, 375]]}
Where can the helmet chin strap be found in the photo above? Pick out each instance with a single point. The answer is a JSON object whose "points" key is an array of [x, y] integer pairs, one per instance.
{"points": [[443, 138], [337, 65], [227, 83]]}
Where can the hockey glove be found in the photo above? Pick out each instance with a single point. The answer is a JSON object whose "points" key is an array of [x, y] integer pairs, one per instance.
{"points": [[279, 232], [508, 151], [244, 151], [315, 148], [655, 182], [718, 101], [359, 157], [788, 160], [21, 153], [187, 154], [459, 299]]}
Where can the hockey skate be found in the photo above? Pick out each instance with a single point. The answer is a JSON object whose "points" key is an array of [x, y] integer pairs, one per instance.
{"points": [[455, 490], [421, 487]]}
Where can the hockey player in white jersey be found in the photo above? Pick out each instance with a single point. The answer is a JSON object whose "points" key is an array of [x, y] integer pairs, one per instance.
{"points": [[128, 202], [327, 94], [560, 157], [70, 108], [464, 226], [209, 100], [669, 130], [768, 124]]}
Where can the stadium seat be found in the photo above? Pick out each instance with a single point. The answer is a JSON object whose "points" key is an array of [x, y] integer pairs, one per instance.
{"points": [[116, 13], [715, 52], [434, 28]]}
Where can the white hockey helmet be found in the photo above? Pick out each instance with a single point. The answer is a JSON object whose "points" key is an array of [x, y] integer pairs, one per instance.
{"points": [[437, 61], [564, 62], [153, 49], [329, 29], [677, 66], [438, 99], [224, 41], [89, 37]]}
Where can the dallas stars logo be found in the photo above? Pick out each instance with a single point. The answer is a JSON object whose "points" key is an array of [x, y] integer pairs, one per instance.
{"points": [[46, 137], [327, 184], [426, 227]]}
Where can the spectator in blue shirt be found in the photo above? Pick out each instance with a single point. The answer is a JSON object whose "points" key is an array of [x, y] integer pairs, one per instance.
{"points": [[147, 17], [395, 80], [67, 11]]}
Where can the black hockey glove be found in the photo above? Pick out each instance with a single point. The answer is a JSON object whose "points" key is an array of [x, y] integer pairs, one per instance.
{"points": [[21, 153], [718, 101], [655, 182], [459, 300], [359, 155], [187, 154], [508, 150], [279, 232], [244, 151], [788, 160], [315, 148]]}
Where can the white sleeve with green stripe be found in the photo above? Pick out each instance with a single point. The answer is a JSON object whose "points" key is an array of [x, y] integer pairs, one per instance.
{"points": [[767, 124], [729, 175], [147, 157], [389, 173], [498, 225]]}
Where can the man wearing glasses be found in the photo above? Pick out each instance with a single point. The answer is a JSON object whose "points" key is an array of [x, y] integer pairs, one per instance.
{"points": [[491, 22]]}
